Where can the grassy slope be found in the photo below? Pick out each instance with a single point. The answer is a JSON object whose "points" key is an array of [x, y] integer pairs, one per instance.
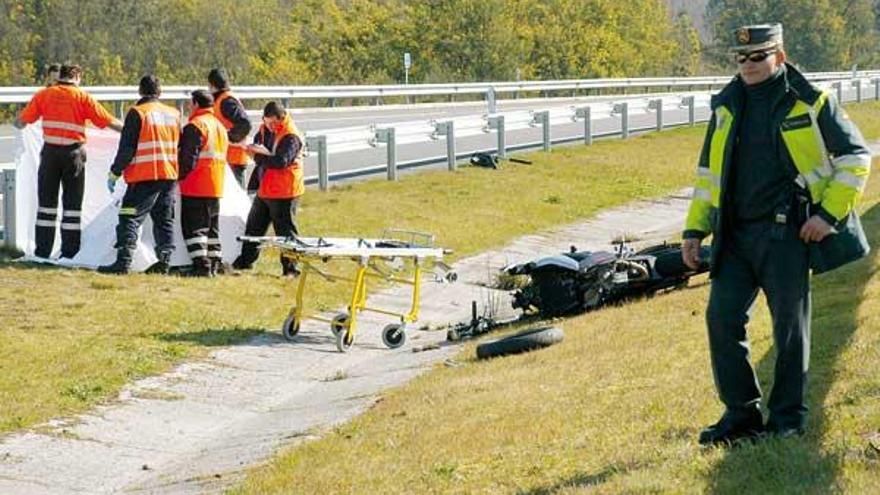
{"points": [[69, 339], [616, 408]]}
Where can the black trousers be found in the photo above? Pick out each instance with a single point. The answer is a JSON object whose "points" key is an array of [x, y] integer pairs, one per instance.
{"points": [[281, 213], [200, 222], [760, 256], [153, 198], [64, 167]]}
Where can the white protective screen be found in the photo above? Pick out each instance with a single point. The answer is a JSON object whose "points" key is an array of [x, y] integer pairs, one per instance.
{"points": [[100, 210]]}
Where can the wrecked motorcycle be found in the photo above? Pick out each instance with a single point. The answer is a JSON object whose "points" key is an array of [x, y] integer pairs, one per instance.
{"points": [[580, 281]]}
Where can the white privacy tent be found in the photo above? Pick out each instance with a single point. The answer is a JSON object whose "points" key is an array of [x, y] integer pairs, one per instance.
{"points": [[100, 209]]}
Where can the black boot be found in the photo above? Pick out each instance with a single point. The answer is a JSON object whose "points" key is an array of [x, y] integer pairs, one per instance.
{"points": [[201, 267], [290, 269], [733, 428], [241, 264], [120, 266], [161, 266]]}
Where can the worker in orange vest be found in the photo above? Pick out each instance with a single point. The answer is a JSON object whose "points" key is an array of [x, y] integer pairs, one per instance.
{"points": [[147, 160], [201, 157], [65, 109], [279, 165], [231, 112]]}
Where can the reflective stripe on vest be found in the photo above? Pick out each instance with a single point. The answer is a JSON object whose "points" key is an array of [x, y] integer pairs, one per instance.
{"points": [[287, 182], [236, 154], [156, 153], [837, 183], [206, 178], [707, 189]]}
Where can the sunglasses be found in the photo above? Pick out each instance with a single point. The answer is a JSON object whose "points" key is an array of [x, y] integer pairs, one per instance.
{"points": [[754, 56]]}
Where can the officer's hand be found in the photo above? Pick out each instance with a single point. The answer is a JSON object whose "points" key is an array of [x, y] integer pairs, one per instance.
{"points": [[815, 229], [111, 182], [690, 253]]}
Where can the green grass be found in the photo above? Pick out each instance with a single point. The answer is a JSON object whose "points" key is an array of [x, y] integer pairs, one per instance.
{"points": [[616, 408], [71, 339]]}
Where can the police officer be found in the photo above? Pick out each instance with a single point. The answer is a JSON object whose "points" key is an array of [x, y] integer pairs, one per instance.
{"points": [[231, 112], [65, 109], [147, 159], [201, 158], [281, 183], [773, 138]]}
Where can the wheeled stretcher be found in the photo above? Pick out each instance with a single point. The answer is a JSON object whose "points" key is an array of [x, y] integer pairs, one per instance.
{"points": [[370, 257]]}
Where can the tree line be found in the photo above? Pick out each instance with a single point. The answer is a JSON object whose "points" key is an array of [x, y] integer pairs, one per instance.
{"points": [[289, 42]]}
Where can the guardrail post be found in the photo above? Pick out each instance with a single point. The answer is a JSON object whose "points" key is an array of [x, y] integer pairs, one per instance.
{"points": [[858, 85], [838, 86], [690, 103], [119, 109], [8, 187], [448, 129], [692, 110], [586, 114], [318, 144], [490, 100], [657, 106], [623, 110], [497, 122], [181, 106], [542, 118], [877, 89], [285, 102], [387, 136]]}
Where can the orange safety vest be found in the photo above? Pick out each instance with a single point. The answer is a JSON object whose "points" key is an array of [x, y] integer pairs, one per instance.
{"points": [[156, 154], [64, 108], [206, 178], [287, 182], [236, 156]]}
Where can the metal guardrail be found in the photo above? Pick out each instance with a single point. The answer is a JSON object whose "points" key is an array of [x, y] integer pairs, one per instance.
{"points": [[395, 134], [22, 94]]}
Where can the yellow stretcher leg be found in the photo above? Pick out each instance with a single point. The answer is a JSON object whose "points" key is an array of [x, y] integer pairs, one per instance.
{"points": [[416, 293], [345, 339]]}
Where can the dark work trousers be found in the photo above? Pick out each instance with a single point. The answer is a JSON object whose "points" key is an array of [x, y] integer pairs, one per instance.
{"points": [[62, 166], [281, 213], [200, 222], [153, 198], [238, 171], [253, 184], [760, 256]]}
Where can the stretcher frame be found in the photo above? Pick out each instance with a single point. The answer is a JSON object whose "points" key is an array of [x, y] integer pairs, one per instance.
{"points": [[367, 255]]}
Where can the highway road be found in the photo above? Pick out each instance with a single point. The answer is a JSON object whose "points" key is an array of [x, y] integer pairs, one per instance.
{"points": [[314, 120]]}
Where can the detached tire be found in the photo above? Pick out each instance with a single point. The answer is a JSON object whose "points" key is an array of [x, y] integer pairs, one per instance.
{"points": [[536, 338]]}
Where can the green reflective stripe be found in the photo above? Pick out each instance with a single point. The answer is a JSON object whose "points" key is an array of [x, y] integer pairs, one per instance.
{"points": [[128, 211], [849, 179], [704, 194]]}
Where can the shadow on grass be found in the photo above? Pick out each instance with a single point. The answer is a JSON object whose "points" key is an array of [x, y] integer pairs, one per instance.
{"points": [[585, 480], [213, 337], [799, 465]]}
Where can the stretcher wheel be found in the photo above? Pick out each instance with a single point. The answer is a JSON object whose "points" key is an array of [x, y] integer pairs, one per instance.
{"points": [[339, 323], [394, 335], [290, 327], [344, 341]]}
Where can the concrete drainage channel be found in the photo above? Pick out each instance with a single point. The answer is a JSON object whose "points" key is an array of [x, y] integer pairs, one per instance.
{"points": [[198, 428]]}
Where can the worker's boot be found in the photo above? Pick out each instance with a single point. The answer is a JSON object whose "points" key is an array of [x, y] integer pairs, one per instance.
{"points": [[218, 267], [201, 267], [289, 268], [119, 267], [162, 266]]}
